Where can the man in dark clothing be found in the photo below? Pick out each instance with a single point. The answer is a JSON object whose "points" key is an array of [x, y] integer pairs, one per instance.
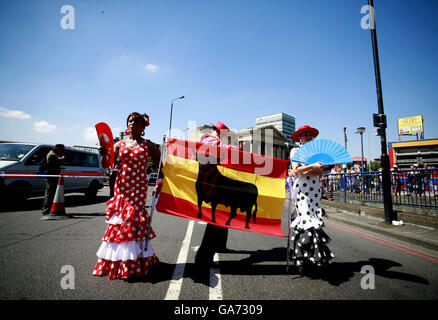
{"points": [[215, 237], [114, 171], [54, 160]]}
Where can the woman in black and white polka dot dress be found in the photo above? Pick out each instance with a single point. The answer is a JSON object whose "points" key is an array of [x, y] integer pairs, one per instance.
{"points": [[308, 239]]}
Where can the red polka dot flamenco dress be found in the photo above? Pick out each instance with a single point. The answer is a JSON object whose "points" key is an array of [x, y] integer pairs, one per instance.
{"points": [[123, 253]]}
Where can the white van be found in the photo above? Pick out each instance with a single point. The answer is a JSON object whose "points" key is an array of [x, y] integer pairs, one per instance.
{"points": [[25, 158]]}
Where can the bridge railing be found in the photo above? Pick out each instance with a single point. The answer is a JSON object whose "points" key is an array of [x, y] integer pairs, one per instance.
{"points": [[417, 188]]}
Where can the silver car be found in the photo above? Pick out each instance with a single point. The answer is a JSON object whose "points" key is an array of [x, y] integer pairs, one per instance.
{"points": [[25, 158]]}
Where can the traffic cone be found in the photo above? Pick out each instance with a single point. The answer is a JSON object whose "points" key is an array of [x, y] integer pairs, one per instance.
{"points": [[58, 210]]}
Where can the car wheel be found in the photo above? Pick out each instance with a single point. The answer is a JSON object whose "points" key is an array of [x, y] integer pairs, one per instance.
{"points": [[19, 191], [91, 192]]}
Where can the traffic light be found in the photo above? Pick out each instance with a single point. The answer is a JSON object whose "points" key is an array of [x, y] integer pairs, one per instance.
{"points": [[379, 120]]}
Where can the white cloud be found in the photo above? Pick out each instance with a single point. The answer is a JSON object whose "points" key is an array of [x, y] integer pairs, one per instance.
{"points": [[90, 134], [13, 114], [44, 127], [151, 67]]}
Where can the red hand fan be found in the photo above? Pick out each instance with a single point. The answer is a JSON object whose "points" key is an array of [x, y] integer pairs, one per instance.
{"points": [[105, 136]]}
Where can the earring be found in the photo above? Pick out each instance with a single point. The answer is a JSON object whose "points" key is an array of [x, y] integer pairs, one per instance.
{"points": [[127, 132], [142, 133]]}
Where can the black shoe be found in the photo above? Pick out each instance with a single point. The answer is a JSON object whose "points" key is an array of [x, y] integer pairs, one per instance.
{"points": [[301, 270]]}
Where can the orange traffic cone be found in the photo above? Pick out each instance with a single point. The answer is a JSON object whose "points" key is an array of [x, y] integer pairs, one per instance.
{"points": [[58, 210]]}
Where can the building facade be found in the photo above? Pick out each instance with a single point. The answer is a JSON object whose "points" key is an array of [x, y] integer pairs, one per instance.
{"points": [[407, 153], [283, 122], [265, 141], [272, 136]]}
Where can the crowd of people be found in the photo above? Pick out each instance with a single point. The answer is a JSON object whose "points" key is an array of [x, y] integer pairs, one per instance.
{"points": [[414, 181]]}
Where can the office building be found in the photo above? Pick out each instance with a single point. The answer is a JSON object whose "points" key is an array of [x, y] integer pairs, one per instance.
{"points": [[282, 122]]}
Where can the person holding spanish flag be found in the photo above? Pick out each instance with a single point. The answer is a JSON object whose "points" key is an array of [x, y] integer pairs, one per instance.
{"points": [[215, 238], [309, 241], [123, 252]]}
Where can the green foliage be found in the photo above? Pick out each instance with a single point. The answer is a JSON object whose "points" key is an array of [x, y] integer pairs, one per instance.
{"points": [[374, 166]]}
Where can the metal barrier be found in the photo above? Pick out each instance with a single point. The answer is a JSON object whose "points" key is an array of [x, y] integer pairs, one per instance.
{"points": [[417, 188]]}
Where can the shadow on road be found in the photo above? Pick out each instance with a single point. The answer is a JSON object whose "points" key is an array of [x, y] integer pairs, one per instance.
{"points": [[86, 215], [341, 272], [335, 274], [158, 273], [70, 200]]}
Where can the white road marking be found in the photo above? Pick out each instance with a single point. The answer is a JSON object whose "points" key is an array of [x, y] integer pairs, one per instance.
{"points": [[177, 278]]}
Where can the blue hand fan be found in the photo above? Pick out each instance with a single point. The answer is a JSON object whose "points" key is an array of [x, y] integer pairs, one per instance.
{"points": [[322, 150]]}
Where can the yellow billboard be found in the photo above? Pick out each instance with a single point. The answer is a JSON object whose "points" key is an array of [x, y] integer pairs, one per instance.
{"points": [[410, 125]]}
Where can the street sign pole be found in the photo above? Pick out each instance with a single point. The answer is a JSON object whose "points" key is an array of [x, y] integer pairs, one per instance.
{"points": [[380, 123]]}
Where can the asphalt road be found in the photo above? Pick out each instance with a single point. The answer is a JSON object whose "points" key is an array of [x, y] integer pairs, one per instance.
{"points": [[38, 256]]}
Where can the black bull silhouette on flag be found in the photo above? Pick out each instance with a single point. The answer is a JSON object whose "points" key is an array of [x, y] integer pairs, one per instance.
{"points": [[213, 187]]}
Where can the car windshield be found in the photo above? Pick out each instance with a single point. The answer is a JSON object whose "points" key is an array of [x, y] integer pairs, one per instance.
{"points": [[14, 152]]}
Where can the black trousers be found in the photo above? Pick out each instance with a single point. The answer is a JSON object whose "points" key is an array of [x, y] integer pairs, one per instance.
{"points": [[51, 184], [215, 239]]}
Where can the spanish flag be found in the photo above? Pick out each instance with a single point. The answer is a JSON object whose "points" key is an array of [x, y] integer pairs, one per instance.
{"points": [[227, 188]]}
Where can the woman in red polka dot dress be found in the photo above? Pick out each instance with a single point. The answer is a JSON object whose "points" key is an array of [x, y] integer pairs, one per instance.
{"points": [[123, 252]]}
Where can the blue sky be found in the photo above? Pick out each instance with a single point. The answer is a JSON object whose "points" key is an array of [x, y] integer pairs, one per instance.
{"points": [[234, 61]]}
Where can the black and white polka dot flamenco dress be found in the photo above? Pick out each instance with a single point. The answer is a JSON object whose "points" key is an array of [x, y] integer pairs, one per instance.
{"points": [[308, 239]]}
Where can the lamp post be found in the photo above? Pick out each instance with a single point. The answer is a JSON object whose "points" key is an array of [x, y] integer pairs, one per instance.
{"points": [[379, 121], [344, 167], [361, 131], [345, 136], [171, 110]]}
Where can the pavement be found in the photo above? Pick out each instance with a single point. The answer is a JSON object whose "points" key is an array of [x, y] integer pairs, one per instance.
{"points": [[422, 232]]}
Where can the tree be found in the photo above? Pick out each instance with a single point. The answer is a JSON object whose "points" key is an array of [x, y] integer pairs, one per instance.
{"points": [[374, 166]]}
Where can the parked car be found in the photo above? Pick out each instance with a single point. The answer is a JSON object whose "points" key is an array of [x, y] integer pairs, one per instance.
{"points": [[25, 158]]}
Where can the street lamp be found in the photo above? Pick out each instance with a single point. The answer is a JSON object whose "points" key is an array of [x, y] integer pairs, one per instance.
{"points": [[379, 121], [361, 131], [171, 110], [345, 136]]}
